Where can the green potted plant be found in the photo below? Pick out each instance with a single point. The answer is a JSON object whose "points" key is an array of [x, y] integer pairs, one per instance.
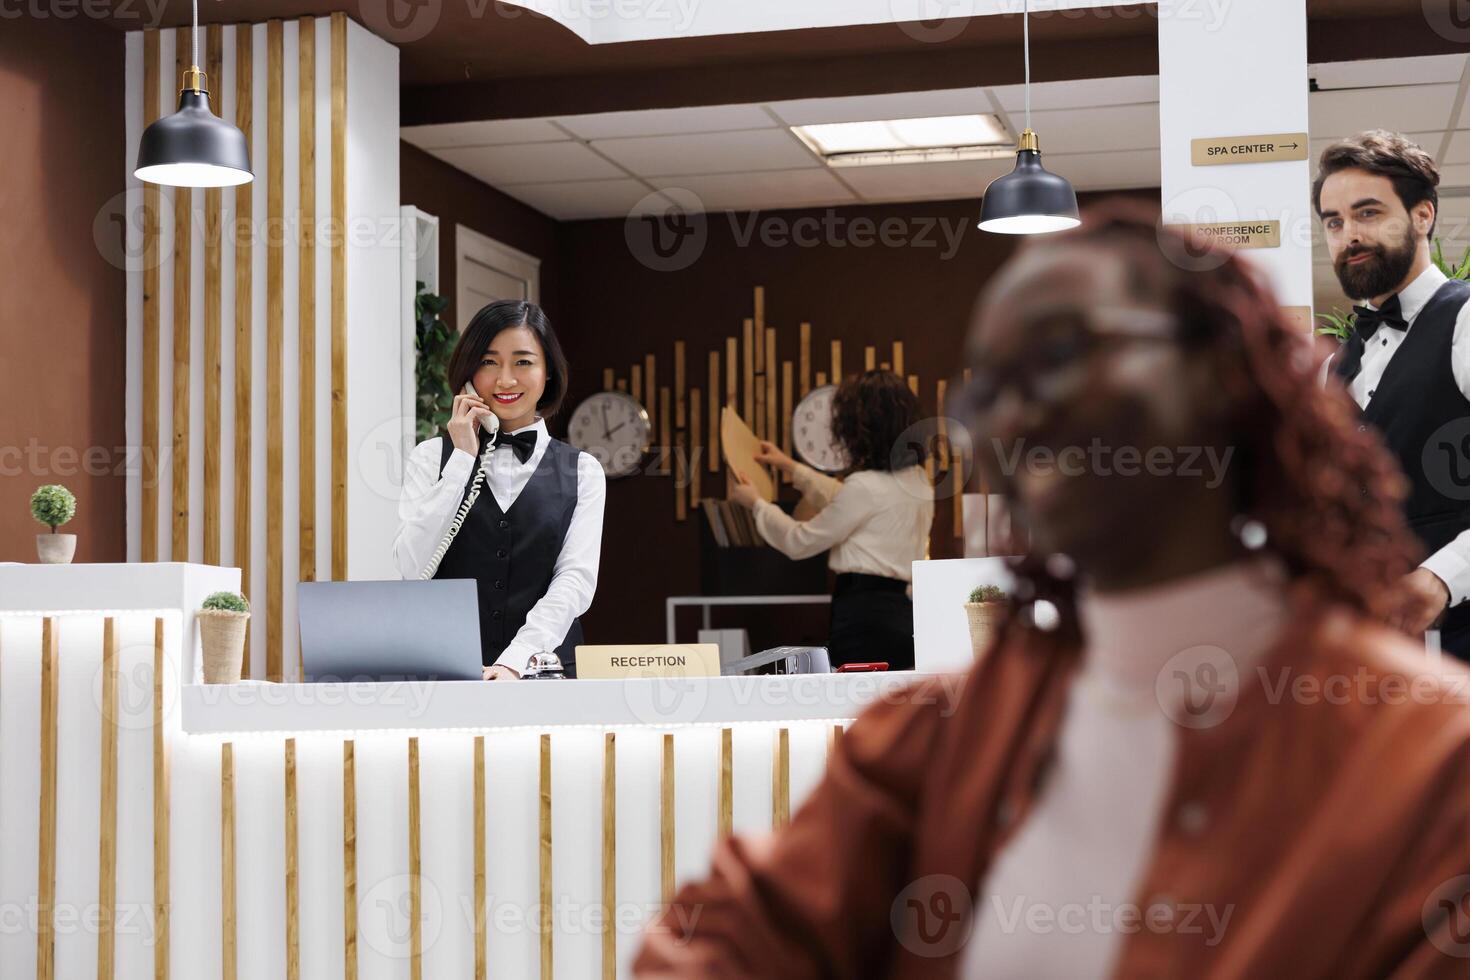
{"points": [[222, 621], [434, 341], [984, 609], [54, 505]]}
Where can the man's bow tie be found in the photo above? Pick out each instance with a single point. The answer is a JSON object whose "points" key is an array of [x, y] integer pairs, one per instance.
{"points": [[523, 443], [1389, 315]]}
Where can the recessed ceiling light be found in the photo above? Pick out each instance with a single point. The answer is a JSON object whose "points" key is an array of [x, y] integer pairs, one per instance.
{"points": [[905, 140]]}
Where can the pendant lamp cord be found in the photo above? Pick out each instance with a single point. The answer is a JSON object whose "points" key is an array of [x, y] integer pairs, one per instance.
{"points": [[1026, 43], [194, 36]]}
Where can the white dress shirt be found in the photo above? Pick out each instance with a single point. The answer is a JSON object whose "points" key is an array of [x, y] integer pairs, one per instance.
{"points": [[874, 522], [1452, 562], [1062, 894], [429, 503]]}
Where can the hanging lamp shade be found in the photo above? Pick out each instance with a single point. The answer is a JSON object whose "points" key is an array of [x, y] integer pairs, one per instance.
{"points": [[193, 147], [1029, 200]]}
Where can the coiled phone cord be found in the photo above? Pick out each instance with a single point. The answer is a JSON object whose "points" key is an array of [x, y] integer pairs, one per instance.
{"points": [[482, 462]]}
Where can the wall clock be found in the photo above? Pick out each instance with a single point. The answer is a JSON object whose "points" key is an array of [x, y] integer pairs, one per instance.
{"points": [[811, 431], [614, 428]]}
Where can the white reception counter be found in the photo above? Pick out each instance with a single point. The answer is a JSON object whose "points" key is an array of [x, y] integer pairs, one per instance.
{"points": [[523, 829]]}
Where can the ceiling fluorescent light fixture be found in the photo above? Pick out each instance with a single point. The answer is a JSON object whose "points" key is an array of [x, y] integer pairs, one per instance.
{"points": [[924, 140]]}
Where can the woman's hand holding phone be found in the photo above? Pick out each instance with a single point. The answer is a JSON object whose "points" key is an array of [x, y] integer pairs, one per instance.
{"points": [[465, 420]]}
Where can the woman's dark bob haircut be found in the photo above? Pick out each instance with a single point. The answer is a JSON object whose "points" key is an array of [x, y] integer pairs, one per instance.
{"points": [[507, 314], [872, 415]]}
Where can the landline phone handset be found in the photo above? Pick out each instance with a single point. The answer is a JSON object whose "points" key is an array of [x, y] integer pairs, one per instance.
{"points": [[489, 429]]}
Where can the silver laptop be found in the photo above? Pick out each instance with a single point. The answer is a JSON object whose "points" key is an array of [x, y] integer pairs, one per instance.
{"points": [[386, 631]]}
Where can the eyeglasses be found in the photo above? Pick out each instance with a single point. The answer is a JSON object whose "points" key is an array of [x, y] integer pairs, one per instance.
{"points": [[1053, 368]]}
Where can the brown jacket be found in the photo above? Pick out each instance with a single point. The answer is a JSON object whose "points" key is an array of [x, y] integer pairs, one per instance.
{"points": [[1328, 815]]}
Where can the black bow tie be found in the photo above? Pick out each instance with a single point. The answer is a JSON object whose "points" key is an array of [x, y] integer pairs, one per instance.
{"points": [[522, 443], [1365, 324]]}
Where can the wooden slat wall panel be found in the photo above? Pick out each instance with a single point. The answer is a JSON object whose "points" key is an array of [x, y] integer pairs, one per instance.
{"points": [[306, 300], [275, 272], [415, 886], [244, 324], [667, 814], [727, 782], [609, 856], [161, 854], [214, 59], [107, 816], [183, 256], [339, 297], [46, 858], [805, 375], [152, 203], [713, 446], [836, 376], [229, 919], [545, 860], [479, 840], [293, 869], [349, 860]]}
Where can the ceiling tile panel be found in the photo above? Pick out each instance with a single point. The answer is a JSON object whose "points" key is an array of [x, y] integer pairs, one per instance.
{"points": [[488, 133], [530, 163], [576, 200], [710, 153], [664, 122], [1406, 108], [763, 191]]}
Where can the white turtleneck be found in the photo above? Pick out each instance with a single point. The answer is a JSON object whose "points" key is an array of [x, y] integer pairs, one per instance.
{"points": [[1051, 903]]}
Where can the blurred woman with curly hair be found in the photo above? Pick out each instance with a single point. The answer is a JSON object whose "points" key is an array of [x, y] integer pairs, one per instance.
{"points": [[875, 522], [1195, 749]]}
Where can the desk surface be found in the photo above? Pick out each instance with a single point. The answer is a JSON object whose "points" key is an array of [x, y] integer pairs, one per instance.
{"points": [[459, 705]]}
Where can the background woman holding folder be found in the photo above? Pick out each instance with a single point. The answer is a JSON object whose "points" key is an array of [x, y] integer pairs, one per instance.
{"points": [[875, 522]]}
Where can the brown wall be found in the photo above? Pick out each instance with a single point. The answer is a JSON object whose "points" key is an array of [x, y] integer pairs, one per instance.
{"points": [[454, 197], [62, 316], [873, 294]]}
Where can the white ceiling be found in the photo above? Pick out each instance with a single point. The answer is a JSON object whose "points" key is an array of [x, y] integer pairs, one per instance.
{"points": [[1102, 134]]}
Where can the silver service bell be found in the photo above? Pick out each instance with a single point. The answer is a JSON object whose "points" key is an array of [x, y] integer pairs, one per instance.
{"points": [[543, 666]]}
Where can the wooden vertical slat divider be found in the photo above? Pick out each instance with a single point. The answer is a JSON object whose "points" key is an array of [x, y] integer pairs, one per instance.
{"points": [[306, 300], [339, 296], [821, 379], [665, 438], [415, 869], [681, 475], [772, 397], [836, 377], [349, 859], [152, 204], [885, 366], [607, 379], [545, 860], [666, 817], [804, 373], [727, 782], [609, 856], [713, 446], [229, 917], [161, 815], [107, 810], [960, 454], [781, 779], [635, 379], [650, 381], [681, 412], [46, 835], [870, 358], [478, 835], [623, 385], [941, 396], [696, 446], [787, 407], [275, 272], [898, 358], [759, 323], [293, 869], [758, 424], [747, 403], [213, 301], [183, 335], [244, 237]]}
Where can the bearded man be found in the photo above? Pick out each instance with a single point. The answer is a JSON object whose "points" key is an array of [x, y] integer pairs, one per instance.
{"points": [[1407, 362]]}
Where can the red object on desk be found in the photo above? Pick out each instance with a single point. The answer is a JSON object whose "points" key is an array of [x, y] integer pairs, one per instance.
{"points": [[861, 668]]}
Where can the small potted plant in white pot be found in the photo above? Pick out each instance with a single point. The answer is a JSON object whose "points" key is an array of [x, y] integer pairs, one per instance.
{"points": [[222, 621], [54, 505], [985, 608]]}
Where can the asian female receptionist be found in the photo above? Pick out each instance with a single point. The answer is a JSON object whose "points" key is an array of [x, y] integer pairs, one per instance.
{"points": [[875, 522], [532, 537]]}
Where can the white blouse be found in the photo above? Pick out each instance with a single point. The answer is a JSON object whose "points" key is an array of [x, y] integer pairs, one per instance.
{"points": [[428, 505], [874, 522]]}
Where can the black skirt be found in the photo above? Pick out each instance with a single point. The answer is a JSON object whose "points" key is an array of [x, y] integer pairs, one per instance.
{"points": [[872, 621]]}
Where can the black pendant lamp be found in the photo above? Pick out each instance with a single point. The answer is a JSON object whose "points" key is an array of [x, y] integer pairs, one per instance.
{"points": [[193, 147], [1029, 200]]}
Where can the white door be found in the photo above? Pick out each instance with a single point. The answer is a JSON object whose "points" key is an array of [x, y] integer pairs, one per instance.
{"points": [[487, 270]]}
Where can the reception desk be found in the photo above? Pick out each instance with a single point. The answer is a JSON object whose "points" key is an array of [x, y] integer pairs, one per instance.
{"points": [[404, 830]]}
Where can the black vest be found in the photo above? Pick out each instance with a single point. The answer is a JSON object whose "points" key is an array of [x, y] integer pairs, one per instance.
{"points": [[1424, 418], [512, 554]]}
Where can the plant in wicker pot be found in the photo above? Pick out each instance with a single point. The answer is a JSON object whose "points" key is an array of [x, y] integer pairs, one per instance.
{"points": [[986, 607], [54, 505], [222, 621]]}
